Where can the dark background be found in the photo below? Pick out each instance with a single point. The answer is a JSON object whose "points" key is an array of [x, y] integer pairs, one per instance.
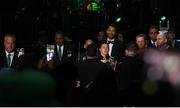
{"points": [[33, 20]]}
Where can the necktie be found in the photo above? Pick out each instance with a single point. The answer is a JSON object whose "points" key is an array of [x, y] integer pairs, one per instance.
{"points": [[9, 60], [154, 44], [59, 52]]}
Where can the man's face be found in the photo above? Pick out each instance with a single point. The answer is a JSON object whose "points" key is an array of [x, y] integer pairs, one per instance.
{"points": [[140, 41], [153, 34], [161, 40], [59, 39], [9, 43], [100, 35], [104, 49], [111, 31]]}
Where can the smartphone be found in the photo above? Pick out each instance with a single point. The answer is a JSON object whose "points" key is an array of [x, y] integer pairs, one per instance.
{"points": [[49, 52]]}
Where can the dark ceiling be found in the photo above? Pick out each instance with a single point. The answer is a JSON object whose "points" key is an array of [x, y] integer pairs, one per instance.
{"points": [[50, 15]]}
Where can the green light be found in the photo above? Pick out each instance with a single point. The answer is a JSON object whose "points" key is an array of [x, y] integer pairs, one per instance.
{"points": [[118, 19], [163, 18], [94, 6]]}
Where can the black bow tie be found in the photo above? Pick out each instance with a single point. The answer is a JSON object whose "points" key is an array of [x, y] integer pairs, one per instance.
{"points": [[112, 42]]}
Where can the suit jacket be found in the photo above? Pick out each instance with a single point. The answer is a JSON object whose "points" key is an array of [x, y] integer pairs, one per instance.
{"points": [[150, 45], [118, 49], [68, 55], [17, 62], [88, 70], [129, 72]]}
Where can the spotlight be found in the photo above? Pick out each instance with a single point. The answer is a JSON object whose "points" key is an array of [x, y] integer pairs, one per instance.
{"points": [[163, 18], [118, 19]]}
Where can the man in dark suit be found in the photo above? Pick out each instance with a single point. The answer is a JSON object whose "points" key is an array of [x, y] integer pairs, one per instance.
{"points": [[63, 72], [64, 52], [116, 47], [152, 33], [10, 57]]}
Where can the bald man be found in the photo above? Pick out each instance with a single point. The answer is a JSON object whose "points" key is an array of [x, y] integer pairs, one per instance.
{"points": [[162, 41]]}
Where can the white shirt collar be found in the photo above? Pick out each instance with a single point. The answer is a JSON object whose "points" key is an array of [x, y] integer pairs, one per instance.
{"points": [[154, 42], [12, 53], [11, 56], [110, 39]]}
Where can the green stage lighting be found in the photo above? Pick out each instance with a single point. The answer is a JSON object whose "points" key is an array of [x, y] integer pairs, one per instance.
{"points": [[163, 18], [118, 19]]}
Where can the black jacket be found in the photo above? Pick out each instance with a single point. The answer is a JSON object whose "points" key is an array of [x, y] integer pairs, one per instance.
{"points": [[17, 62]]}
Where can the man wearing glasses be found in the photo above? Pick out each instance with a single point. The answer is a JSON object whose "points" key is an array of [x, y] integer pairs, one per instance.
{"points": [[152, 33]]}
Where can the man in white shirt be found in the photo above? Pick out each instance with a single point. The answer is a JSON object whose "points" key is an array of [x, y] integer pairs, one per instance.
{"points": [[9, 57], [152, 33], [116, 47], [64, 51]]}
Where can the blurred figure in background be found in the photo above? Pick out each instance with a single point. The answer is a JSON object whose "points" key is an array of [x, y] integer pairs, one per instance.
{"points": [[120, 37], [171, 35], [27, 88], [100, 36], [82, 55]]}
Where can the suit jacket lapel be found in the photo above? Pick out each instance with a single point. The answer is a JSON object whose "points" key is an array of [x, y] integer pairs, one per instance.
{"points": [[4, 59], [14, 59], [64, 52], [114, 48]]}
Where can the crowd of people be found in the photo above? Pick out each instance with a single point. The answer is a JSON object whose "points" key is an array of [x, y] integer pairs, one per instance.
{"points": [[107, 72]]}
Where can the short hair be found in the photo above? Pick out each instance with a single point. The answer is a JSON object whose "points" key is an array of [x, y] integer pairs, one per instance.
{"points": [[112, 25], [170, 34], [10, 35], [142, 35], [153, 27], [59, 32], [163, 33], [101, 44], [91, 50], [132, 46]]}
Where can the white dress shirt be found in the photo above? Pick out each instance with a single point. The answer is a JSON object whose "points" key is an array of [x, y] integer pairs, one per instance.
{"points": [[11, 56], [110, 46], [62, 48], [152, 42]]}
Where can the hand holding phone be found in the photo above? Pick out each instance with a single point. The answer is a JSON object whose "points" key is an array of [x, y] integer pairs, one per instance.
{"points": [[49, 52]]}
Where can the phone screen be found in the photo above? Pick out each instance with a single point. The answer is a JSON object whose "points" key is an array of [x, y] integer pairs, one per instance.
{"points": [[49, 52]]}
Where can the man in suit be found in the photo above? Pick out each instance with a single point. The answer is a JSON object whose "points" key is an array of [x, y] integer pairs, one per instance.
{"points": [[162, 40], [116, 47], [64, 52], [10, 57], [63, 72], [152, 33]]}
